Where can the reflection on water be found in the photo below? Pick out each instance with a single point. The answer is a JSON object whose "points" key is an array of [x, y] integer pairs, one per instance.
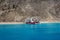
{"points": [[45, 31]]}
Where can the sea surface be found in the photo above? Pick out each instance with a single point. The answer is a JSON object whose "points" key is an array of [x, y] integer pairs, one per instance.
{"points": [[44, 31]]}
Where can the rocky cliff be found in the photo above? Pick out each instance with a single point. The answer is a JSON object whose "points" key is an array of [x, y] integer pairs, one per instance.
{"points": [[18, 10]]}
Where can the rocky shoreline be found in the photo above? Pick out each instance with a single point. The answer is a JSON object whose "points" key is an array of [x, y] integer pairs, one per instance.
{"points": [[41, 22], [19, 10]]}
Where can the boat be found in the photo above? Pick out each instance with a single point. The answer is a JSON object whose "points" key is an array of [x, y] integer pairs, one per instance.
{"points": [[31, 21]]}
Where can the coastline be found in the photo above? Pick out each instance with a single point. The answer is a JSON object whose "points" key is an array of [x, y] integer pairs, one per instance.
{"points": [[49, 22], [24, 23], [11, 23]]}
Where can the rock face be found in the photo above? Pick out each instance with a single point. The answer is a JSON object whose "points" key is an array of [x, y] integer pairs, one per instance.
{"points": [[18, 10]]}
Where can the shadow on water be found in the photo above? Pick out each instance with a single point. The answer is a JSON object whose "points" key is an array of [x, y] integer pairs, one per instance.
{"points": [[47, 31]]}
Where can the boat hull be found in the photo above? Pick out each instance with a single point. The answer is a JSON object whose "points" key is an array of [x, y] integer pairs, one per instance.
{"points": [[32, 22]]}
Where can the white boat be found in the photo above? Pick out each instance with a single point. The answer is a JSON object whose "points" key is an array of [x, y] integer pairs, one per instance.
{"points": [[31, 20]]}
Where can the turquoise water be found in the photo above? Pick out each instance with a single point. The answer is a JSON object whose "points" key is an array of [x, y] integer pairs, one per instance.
{"points": [[47, 31]]}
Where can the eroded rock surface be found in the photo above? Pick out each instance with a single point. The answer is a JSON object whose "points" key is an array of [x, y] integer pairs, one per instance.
{"points": [[18, 10]]}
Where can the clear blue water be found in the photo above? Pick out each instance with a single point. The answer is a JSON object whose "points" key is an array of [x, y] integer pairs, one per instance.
{"points": [[47, 31]]}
